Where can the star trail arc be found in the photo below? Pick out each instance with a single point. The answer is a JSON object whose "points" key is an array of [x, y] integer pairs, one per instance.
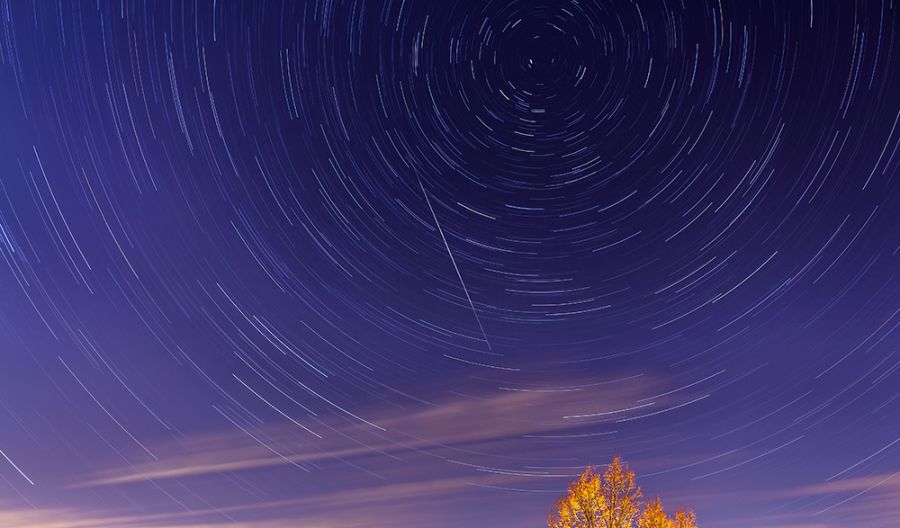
{"points": [[259, 258]]}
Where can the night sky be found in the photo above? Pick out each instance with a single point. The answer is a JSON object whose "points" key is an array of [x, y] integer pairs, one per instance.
{"points": [[415, 263]]}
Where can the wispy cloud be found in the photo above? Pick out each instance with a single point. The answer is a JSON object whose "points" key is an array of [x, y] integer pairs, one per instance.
{"points": [[365, 506], [872, 501], [467, 421]]}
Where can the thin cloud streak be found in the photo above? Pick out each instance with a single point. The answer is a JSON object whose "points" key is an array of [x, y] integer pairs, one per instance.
{"points": [[473, 421]]}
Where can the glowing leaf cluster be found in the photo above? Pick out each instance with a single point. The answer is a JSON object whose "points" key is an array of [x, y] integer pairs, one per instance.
{"points": [[612, 500]]}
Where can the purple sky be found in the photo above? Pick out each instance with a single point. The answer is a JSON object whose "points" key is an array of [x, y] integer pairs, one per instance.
{"points": [[416, 263]]}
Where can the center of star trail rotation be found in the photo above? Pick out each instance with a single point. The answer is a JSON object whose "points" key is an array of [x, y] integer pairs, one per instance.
{"points": [[339, 263]]}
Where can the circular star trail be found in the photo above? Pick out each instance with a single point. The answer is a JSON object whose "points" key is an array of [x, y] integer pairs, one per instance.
{"points": [[261, 258]]}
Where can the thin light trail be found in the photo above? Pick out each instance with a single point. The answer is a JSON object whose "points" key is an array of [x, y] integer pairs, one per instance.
{"points": [[13, 464], [883, 449], [848, 499], [113, 418], [276, 409], [455, 267]]}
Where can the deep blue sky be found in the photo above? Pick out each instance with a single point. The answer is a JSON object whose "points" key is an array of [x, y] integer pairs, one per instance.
{"points": [[415, 263]]}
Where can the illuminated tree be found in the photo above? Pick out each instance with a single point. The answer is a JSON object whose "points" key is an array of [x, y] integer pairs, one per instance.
{"points": [[654, 516], [582, 506], [621, 497], [685, 519], [612, 500]]}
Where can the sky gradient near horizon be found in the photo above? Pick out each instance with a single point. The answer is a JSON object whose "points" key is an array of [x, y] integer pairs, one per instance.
{"points": [[347, 263]]}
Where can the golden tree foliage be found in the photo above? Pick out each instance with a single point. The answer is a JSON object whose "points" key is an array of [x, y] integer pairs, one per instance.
{"points": [[582, 505], [612, 500], [685, 519], [654, 516], [621, 496]]}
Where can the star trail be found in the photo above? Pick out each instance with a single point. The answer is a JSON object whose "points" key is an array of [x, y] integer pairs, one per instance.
{"points": [[371, 263]]}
